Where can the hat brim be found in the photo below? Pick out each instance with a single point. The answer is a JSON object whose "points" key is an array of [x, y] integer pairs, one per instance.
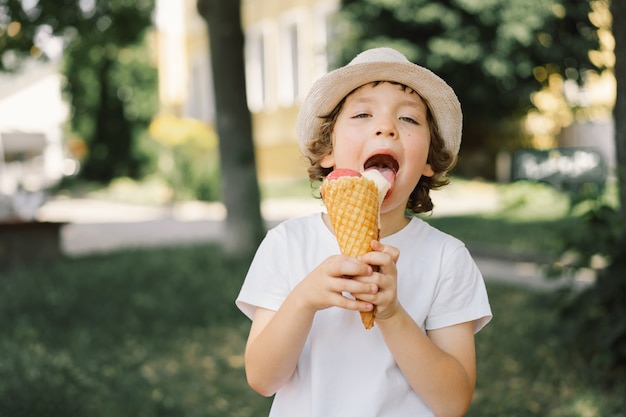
{"points": [[330, 89]]}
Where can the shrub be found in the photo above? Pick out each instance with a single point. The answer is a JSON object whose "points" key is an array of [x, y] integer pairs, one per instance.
{"points": [[597, 316], [188, 158]]}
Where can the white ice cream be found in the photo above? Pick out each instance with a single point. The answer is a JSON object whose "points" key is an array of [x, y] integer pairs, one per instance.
{"points": [[381, 183]]}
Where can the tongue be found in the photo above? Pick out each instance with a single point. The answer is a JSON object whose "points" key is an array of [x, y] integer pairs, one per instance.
{"points": [[384, 179], [388, 173]]}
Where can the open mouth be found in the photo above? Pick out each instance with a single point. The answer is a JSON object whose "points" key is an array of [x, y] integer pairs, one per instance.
{"points": [[386, 164]]}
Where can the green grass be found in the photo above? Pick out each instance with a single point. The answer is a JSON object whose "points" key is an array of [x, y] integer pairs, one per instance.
{"points": [[139, 333], [526, 367], [156, 333], [540, 239], [532, 221]]}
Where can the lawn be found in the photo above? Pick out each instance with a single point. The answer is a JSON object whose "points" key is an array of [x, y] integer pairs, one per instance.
{"points": [[138, 333], [156, 333]]}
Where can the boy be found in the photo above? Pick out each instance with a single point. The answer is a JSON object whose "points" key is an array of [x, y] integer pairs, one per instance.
{"points": [[306, 344]]}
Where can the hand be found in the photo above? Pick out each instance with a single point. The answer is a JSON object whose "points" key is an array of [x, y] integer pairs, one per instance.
{"points": [[383, 259], [325, 285]]}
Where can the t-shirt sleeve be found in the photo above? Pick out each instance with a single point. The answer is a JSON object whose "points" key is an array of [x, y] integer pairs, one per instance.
{"points": [[461, 295], [267, 283]]}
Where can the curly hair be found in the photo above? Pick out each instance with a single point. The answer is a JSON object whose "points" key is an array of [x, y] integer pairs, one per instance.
{"points": [[440, 158]]}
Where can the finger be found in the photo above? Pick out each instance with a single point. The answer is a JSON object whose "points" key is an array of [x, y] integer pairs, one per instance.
{"points": [[353, 304], [367, 297], [343, 266], [392, 251], [377, 259], [353, 286]]}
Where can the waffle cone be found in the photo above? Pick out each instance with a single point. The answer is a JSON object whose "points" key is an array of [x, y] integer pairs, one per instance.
{"points": [[353, 209]]}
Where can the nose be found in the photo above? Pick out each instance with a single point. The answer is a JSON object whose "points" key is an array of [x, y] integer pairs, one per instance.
{"points": [[386, 128]]}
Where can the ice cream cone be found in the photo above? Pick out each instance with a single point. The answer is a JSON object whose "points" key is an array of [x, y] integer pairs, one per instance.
{"points": [[353, 208]]}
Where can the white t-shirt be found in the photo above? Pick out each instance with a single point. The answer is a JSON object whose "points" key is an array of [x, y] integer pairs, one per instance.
{"points": [[345, 370]]}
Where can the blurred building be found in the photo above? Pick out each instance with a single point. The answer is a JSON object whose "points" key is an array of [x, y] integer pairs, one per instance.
{"points": [[285, 52], [32, 116]]}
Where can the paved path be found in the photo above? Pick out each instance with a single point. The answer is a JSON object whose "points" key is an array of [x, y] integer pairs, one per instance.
{"points": [[96, 226], [100, 226]]}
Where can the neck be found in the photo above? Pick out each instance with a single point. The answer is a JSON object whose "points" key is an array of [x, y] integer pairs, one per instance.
{"points": [[393, 221]]}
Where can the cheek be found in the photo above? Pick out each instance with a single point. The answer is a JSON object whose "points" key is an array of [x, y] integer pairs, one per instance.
{"points": [[418, 153], [346, 146]]}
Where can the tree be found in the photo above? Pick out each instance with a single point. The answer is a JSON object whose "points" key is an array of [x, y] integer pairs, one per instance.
{"points": [[102, 97], [494, 53], [618, 10], [240, 187], [107, 105], [112, 91]]}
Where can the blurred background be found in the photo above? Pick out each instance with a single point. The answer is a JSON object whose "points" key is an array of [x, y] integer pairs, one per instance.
{"points": [[146, 146]]}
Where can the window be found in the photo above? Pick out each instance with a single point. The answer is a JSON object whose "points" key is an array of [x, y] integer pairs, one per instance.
{"points": [[322, 38], [200, 103], [289, 62], [256, 69]]}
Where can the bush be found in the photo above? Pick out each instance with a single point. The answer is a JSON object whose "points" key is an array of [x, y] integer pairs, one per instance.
{"points": [[188, 158], [597, 316], [598, 323]]}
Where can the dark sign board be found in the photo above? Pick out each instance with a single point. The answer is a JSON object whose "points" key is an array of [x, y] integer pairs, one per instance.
{"points": [[560, 167]]}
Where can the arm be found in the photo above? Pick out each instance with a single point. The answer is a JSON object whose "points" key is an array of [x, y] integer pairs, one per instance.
{"points": [[439, 366], [269, 364]]}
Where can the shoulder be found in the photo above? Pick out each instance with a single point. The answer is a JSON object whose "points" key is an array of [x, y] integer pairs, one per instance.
{"points": [[298, 231], [295, 226], [423, 246], [419, 231]]}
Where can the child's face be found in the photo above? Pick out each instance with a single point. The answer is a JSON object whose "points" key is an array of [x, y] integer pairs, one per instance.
{"points": [[382, 126]]}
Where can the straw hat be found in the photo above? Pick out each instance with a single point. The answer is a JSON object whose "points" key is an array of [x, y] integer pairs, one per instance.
{"points": [[381, 64]]}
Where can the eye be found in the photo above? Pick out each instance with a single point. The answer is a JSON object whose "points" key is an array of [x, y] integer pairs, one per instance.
{"points": [[409, 120], [361, 116]]}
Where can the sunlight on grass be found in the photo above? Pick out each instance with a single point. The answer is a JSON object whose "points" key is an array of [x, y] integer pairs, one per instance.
{"points": [[532, 221], [585, 406], [525, 201]]}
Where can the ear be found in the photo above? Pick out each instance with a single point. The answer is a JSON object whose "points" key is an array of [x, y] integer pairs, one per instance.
{"points": [[428, 171], [328, 161]]}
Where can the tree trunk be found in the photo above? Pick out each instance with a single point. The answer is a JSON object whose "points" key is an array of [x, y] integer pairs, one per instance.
{"points": [[618, 10], [240, 187]]}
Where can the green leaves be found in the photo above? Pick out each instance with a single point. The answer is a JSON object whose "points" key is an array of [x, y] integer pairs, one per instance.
{"points": [[486, 49]]}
